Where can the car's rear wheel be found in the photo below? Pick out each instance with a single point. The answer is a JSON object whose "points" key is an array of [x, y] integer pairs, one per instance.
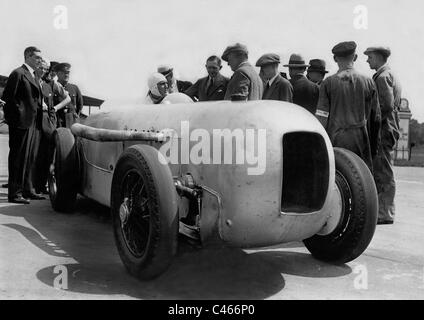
{"points": [[64, 171], [144, 212], [358, 217]]}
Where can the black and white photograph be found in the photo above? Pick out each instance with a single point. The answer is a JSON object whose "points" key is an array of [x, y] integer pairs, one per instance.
{"points": [[227, 150]]}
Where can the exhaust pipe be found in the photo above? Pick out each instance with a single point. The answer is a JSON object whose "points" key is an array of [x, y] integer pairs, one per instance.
{"points": [[104, 135]]}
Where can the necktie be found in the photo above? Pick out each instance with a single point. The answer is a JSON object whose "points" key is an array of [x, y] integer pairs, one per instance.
{"points": [[210, 84], [266, 88]]}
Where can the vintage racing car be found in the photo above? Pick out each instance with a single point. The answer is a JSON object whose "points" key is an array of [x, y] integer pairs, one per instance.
{"points": [[243, 174]]}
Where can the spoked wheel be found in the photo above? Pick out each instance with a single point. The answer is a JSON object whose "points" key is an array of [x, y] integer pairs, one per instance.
{"points": [[52, 182], [354, 212], [144, 212], [134, 213]]}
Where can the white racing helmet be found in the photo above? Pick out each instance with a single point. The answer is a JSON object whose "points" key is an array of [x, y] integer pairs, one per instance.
{"points": [[153, 81]]}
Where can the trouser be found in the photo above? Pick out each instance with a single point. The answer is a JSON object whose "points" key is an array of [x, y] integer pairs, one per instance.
{"points": [[356, 140], [384, 180], [44, 159], [22, 154]]}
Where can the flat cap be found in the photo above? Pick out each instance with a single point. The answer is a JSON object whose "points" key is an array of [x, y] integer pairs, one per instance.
{"points": [[64, 66], [238, 47], [344, 49], [296, 61], [268, 58], [384, 51]]}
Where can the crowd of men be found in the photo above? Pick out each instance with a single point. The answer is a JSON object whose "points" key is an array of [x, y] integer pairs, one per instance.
{"points": [[37, 98], [359, 113]]}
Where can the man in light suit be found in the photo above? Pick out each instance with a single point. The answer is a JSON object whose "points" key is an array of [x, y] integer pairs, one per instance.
{"points": [[24, 105], [212, 87], [389, 94], [245, 84], [276, 87]]}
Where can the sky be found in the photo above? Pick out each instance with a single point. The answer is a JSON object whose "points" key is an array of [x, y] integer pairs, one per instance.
{"points": [[114, 45]]}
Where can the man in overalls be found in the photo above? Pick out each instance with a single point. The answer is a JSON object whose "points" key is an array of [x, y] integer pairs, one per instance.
{"points": [[348, 106]]}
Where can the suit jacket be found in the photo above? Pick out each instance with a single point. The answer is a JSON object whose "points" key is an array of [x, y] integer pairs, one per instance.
{"points": [[305, 93], [23, 98], [280, 89], [389, 96], [215, 92], [183, 85], [245, 82]]}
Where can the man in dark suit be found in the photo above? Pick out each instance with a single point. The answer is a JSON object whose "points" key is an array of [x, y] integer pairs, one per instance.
{"points": [[49, 88], [245, 84], [316, 71], [305, 92], [276, 87], [24, 104], [174, 85], [213, 86]]}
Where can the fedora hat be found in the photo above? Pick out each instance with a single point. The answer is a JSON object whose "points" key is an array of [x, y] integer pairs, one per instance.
{"points": [[317, 65], [296, 60]]}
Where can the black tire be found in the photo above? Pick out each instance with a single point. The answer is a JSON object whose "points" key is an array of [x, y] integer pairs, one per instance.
{"points": [[359, 212], [64, 174], [144, 212]]}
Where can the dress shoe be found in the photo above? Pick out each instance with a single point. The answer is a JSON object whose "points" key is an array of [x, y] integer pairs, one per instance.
{"points": [[381, 221], [5, 185], [19, 199], [34, 196]]}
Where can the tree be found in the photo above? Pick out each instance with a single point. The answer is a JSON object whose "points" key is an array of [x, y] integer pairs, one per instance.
{"points": [[416, 130]]}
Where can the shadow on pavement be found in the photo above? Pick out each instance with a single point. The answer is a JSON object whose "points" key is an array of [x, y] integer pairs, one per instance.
{"points": [[208, 273], [35, 238]]}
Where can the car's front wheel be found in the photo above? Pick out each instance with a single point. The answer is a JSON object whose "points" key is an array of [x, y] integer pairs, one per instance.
{"points": [[64, 171], [358, 212], [144, 212]]}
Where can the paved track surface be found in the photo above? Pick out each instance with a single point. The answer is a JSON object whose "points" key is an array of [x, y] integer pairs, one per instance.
{"points": [[37, 245]]}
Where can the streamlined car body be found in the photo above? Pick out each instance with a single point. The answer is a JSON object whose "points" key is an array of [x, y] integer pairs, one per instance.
{"points": [[244, 174]]}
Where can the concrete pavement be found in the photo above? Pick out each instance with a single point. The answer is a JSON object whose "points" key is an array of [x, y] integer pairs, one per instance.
{"points": [[48, 255]]}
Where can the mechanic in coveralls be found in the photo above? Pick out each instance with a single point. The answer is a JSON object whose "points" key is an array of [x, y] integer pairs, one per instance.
{"points": [[348, 106], [68, 115], [389, 94]]}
